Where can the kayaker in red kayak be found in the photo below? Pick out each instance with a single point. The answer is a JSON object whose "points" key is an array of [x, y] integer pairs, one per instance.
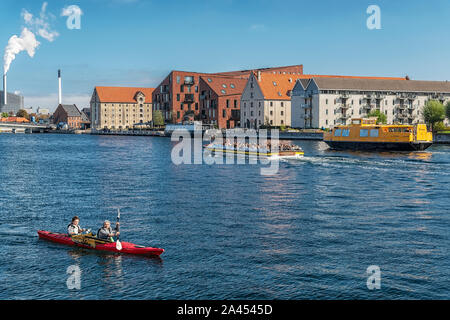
{"points": [[74, 228], [106, 232]]}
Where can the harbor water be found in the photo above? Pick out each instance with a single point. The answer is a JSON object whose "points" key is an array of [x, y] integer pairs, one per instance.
{"points": [[308, 232]]}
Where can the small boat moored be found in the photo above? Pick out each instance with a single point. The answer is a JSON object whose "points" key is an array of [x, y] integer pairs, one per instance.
{"points": [[366, 134]]}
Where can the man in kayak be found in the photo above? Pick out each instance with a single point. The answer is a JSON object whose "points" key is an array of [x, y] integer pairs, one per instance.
{"points": [[74, 228], [106, 232]]}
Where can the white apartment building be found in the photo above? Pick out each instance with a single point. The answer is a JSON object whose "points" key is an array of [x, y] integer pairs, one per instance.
{"points": [[327, 101], [266, 99]]}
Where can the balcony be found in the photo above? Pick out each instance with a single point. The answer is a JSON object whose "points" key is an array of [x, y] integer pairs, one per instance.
{"points": [[402, 96], [379, 96], [305, 105], [235, 115], [344, 106], [189, 98], [345, 116], [439, 97], [344, 95], [164, 89]]}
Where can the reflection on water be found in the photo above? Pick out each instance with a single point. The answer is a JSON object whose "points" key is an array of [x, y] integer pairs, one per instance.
{"points": [[310, 231]]}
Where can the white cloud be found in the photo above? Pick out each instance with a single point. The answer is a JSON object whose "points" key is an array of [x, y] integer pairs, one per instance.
{"points": [[51, 101], [40, 25]]}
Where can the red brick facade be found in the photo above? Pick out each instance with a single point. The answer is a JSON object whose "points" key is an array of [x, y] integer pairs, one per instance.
{"points": [[220, 101], [179, 92], [68, 114]]}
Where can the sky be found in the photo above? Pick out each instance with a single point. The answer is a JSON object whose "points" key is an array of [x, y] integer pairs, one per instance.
{"points": [[138, 42]]}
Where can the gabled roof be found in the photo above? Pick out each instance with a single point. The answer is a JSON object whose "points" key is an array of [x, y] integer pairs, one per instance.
{"points": [[382, 85], [276, 86], [122, 94], [71, 110], [225, 86], [84, 117]]}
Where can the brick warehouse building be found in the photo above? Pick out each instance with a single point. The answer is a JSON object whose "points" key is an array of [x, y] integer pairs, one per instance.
{"points": [[68, 113], [179, 92], [220, 100]]}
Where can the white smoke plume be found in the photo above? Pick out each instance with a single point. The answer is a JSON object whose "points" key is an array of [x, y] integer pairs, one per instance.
{"points": [[26, 42]]}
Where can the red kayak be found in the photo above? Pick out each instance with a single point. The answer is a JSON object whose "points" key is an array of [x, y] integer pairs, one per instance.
{"points": [[92, 242]]}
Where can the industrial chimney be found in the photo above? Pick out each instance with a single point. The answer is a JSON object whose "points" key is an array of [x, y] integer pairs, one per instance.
{"points": [[59, 89], [5, 93]]}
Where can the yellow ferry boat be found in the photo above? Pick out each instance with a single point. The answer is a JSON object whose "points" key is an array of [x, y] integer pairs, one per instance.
{"points": [[366, 134]]}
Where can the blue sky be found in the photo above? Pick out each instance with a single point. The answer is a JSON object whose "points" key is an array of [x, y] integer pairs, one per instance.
{"points": [[137, 42]]}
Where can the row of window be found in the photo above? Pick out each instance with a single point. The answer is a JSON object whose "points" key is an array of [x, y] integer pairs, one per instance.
{"points": [[259, 104], [367, 132], [120, 116], [362, 133], [127, 105], [336, 111], [259, 122], [120, 110], [374, 93], [259, 113]]}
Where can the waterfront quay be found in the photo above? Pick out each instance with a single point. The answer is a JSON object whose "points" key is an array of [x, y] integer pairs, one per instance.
{"points": [[317, 135], [282, 135]]}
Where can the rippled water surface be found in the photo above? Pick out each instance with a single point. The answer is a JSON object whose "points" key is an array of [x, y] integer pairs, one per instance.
{"points": [[229, 232]]}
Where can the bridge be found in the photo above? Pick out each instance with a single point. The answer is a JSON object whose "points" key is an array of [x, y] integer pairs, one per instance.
{"points": [[23, 127]]}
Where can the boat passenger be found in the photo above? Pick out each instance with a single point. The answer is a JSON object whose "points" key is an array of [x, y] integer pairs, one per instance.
{"points": [[106, 232], [74, 228]]}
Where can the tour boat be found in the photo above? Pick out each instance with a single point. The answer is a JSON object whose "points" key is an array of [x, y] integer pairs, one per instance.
{"points": [[366, 134], [256, 152]]}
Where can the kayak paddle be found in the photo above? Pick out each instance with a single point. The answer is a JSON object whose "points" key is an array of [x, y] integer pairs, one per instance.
{"points": [[118, 244]]}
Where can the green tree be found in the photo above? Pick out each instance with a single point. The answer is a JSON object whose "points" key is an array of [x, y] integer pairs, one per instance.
{"points": [[439, 126], [381, 117], [447, 110], [22, 113], [158, 119], [433, 112], [5, 115]]}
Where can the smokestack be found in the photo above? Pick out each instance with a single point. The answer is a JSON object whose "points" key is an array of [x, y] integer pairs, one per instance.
{"points": [[59, 91], [5, 93]]}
